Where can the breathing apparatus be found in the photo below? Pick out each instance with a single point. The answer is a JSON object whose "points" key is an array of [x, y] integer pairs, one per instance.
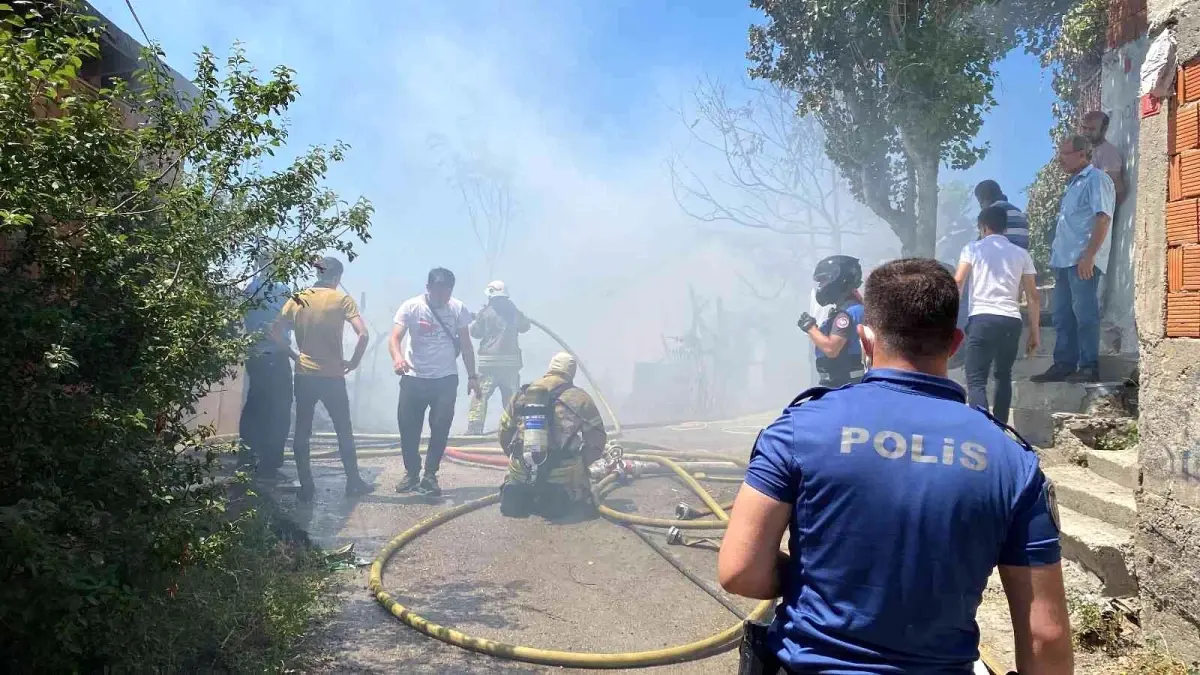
{"points": [[535, 419]]}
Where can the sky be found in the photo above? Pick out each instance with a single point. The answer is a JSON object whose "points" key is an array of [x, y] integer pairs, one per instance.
{"points": [[575, 101]]}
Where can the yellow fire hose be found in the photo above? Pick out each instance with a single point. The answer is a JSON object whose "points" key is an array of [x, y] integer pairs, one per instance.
{"points": [[709, 646]]}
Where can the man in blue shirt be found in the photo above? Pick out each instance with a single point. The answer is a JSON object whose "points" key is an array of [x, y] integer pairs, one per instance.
{"points": [[267, 410], [1078, 256], [898, 500]]}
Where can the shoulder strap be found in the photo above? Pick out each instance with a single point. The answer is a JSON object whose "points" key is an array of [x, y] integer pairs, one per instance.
{"points": [[1009, 430], [811, 394], [453, 336]]}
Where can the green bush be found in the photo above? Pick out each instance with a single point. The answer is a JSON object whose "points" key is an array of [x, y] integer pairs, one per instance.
{"points": [[125, 247]]}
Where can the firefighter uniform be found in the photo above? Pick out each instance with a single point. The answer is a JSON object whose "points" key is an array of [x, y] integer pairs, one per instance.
{"points": [[560, 483], [497, 327], [874, 588]]}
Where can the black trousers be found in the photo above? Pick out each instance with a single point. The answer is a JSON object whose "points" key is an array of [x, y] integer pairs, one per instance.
{"points": [[416, 396], [331, 392], [267, 412], [992, 345]]}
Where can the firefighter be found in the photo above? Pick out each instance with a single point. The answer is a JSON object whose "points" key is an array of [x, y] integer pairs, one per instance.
{"points": [[496, 327], [835, 340], [551, 432]]}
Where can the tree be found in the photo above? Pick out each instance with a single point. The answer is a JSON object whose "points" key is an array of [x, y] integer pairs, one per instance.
{"points": [[486, 189], [899, 87], [129, 219], [1073, 54], [956, 220], [774, 176]]}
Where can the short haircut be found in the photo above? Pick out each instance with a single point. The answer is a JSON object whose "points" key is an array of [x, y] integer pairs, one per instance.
{"points": [[912, 306], [989, 191], [1079, 142], [329, 268], [440, 277], [995, 219], [1099, 115]]}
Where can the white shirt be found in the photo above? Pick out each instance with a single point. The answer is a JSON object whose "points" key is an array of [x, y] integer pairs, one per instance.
{"points": [[431, 350], [997, 267]]}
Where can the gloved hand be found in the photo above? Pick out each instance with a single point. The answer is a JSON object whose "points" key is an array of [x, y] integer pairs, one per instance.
{"points": [[806, 322]]}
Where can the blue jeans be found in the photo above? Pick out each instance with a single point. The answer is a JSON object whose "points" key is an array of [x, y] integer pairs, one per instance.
{"points": [[992, 344], [1076, 319]]}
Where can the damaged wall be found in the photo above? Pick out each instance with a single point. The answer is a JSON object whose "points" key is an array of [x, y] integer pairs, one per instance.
{"points": [[1168, 533]]}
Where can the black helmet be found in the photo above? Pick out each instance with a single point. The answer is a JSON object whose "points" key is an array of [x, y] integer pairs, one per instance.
{"points": [[835, 277]]}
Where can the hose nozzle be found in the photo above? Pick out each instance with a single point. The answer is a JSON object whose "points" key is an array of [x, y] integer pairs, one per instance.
{"points": [[684, 511]]}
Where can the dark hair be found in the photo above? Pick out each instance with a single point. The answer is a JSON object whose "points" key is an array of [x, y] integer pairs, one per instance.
{"points": [[989, 191], [912, 305], [440, 276], [1103, 117], [995, 219]]}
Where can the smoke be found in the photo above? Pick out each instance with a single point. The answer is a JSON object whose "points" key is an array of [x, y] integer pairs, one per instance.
{"points": [[597, 247]]}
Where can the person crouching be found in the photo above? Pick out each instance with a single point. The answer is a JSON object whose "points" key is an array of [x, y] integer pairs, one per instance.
{"points": [[551, 431]]}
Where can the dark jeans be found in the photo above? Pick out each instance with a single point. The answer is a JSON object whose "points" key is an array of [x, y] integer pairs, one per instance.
{"points": [[331, 392], [267, 412], [992, 345], [416, 395], [1076, 319]]}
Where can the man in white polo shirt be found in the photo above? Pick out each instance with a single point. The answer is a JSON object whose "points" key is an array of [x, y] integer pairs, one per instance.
{"points": [[437, 326], [998, 270]]}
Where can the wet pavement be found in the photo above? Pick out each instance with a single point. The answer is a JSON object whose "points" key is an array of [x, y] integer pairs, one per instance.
{"points": [[591, 586]]}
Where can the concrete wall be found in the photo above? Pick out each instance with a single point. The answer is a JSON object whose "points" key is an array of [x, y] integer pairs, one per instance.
{"points": [[1168, 533], [1120, 69]]}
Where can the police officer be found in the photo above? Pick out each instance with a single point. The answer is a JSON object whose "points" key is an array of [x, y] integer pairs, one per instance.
{"points": [[899, 500], [551, 432], [838, 351]]}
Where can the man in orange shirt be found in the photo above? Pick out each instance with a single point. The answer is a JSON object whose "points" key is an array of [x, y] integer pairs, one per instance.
{"points": [[316, 316]]}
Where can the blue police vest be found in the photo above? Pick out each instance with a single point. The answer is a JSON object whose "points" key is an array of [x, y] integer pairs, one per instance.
{"points": [[850, 358], [903, 501]]}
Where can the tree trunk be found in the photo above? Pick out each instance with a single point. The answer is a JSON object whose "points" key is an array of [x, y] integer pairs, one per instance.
{"points": [[923, 242]]}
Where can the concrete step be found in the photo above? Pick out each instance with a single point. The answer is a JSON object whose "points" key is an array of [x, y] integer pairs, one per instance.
{"points": [[1118, 466], [1034, 404], [1087, 493], [1113, 367], [1101, 548]]}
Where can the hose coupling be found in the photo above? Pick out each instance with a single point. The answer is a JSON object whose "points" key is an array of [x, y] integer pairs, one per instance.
{"points": [[684, 511], [674, 536]]}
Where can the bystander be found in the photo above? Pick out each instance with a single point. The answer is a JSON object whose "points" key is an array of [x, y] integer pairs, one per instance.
{"points": [[999, 270]]}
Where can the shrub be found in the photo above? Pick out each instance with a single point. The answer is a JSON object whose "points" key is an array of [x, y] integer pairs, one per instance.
{"points": [[128, 217]]}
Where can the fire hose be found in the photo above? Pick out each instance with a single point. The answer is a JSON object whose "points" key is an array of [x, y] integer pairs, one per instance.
{"points": [[688, 518], [715, 644]]}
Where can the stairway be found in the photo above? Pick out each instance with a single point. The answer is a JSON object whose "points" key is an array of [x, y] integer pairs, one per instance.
{"points": [[1078, 429]]}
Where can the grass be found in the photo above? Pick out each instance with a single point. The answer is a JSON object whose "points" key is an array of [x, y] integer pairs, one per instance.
{"points": [[247, 603], [1120, 438], [1096, 627]]}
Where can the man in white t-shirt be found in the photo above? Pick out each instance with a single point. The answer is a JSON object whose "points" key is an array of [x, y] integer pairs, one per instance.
{"points": [[437, 326], [998, 270]]}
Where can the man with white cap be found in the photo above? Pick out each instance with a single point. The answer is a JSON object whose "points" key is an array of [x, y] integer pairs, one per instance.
{"points": [[551, 432], [499, 356]]}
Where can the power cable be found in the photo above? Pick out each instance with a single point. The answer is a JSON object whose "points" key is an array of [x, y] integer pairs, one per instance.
{"points": [[129, 4]]}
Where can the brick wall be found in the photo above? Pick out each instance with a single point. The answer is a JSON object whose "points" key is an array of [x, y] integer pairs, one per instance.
{"points": [[1183, 206], [1127, 21]]}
